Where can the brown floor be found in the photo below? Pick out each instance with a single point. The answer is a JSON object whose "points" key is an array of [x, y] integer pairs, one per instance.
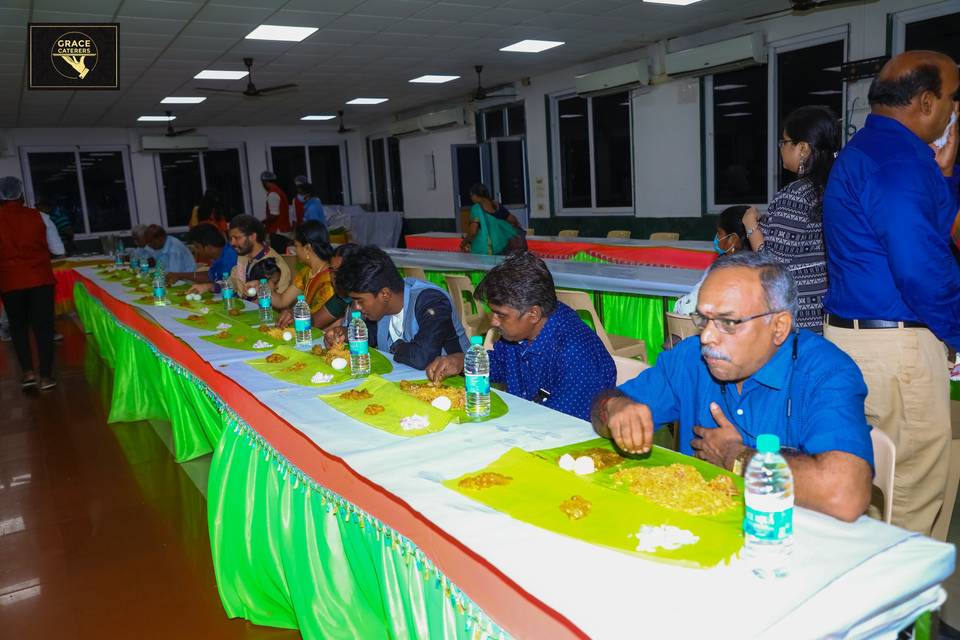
{"points": [[102, 534]]}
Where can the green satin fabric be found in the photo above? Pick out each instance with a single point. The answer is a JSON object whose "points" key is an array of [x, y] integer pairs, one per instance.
{"points": [[154, 391], [955, 390]]}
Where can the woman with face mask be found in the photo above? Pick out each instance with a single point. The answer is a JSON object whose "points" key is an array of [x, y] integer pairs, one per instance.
{"points": [[730, 238], [792, 229]]}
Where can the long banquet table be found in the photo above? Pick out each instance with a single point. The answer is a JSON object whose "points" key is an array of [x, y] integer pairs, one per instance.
{"points": [[321, 523]]}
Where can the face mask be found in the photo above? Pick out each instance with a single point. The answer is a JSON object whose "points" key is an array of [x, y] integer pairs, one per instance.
{"points": [[941, 142], [301, 198], [716, 244]]}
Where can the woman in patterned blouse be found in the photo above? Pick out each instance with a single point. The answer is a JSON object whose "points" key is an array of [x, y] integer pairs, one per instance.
{"points": [[313, 280], [792, 229]]}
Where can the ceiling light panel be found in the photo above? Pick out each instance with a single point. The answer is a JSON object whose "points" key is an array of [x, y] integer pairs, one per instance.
{"points": [[156, 118], [531, 46], [182, 100], [280, 33], [434, 79], [318, 117], [367, 100], [218, 74], [677, 3]]}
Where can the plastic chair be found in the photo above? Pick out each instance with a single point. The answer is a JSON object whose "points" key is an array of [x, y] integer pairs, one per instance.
{"points": [[530, 231], [616, 345], [569, 233], [475, 319], [628, 368], [665, 235], [679, 326], [415, 272], [619, 233], [884, 464]]}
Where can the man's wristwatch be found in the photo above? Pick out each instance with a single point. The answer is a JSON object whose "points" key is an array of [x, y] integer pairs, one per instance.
{"points": [[750, 231], [740, 462]]}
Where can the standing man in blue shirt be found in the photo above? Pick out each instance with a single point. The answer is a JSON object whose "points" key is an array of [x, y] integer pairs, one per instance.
{"points": [[546, 353], [312, 207], [752, 372], [894, 286]]}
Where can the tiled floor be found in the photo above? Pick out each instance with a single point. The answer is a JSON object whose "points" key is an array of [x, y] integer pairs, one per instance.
{"points": [[102, 534]]}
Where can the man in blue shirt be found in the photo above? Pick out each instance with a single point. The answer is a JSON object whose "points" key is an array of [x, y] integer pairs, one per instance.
{"points": [[546, 353], [751, 372], [312, 207], [894, 285], [212, 247], [168, 251]]}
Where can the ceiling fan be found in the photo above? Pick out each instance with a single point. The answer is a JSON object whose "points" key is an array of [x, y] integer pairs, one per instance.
{"points": [[482, 93], [171, 132], [808, 7], [342, 129], [252, 91]]}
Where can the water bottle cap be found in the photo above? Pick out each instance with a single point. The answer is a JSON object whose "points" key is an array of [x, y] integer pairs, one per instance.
{"points": [[263, 281], [301, 297], [768, 443], [476, 340], [355, 314]]}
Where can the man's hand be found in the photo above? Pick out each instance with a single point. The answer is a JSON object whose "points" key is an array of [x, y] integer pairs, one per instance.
{"points": [[630, 424], [335, 335], [171, 278], [946, 156], [719, 446], [200, 288], [444, 367], [285, 319]]}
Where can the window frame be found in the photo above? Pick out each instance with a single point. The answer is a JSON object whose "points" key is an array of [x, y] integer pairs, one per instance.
{"points": [[76, 150], [824, 36], [900, 19], [244, 178], [557, 177], [388, 171], [344, 165]]}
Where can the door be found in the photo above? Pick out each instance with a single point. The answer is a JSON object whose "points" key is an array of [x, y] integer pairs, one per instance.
{"points": [[510, 176], [471, 164]]}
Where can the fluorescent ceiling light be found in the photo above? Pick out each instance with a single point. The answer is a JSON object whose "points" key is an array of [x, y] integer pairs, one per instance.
{"points": [[284, 34], [216, 74], [531, 46], [156, 118], [735, 103], [428, 79], [826, 92], [833, 69], [185, 100], [679, 3], [367, 100], [572, 115], [728, 87], [739, 114], [318, 117]]}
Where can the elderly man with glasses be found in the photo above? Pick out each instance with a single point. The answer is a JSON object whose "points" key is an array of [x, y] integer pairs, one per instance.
{"points": [[752, 372]]}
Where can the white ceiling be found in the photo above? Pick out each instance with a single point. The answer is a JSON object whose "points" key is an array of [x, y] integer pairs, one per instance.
{"points": [[363, 48]]}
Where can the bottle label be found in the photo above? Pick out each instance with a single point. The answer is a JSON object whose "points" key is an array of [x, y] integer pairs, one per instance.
{"points": [[477, 383], [301, 324], [768, 518], [359, 347], [158, 292], [265, 303]]}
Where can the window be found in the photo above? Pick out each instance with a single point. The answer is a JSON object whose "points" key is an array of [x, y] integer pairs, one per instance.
{"points": [[593, 152], [90, 184], [383, 164], [746, 109], [502, 130], [186, 175], [935, 27], [323, 165]]}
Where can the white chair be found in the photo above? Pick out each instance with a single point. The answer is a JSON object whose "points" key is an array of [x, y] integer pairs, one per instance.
{"points": [[665, 235], [569, 233], [619, 233], [474, 317], [616, 345], [530, 231], [628, 368], [679, 326], [415, 272], [884, 464]]}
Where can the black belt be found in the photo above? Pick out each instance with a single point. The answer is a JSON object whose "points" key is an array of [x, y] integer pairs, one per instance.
{"points": [[844, 323]]}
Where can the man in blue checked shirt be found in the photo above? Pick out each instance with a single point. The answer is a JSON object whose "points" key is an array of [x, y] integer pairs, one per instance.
{"points": [[894, 285], [750, 372], [546, 353]]}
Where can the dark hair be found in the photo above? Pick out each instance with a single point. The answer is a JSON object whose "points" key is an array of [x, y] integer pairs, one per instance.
{"points": [[210, 206], [306, 189], [263, 270], [42, 202], [346, 250], [480, 191], [248, 226], [900, 92], [519, 282], [206, 235], [368, 270], [819, 127], [314, 234], [731, 221]]}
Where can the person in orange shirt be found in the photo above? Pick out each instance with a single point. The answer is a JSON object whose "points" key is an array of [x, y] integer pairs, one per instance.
{"points": [[277, 210]]}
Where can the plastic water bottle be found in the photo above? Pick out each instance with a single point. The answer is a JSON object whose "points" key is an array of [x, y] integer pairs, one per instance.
{"points": [[144, 268], [134, 263], [359, 346], [118, 255], [159, 288], [301, 323], [768, 525], [265, 302], [476, 369], [228, 294]]}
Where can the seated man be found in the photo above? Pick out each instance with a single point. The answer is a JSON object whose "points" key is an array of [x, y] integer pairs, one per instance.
{"points": [[412, 319], [750, 372], [546, 353], [168, 251], [211, 247], [248, 237]]}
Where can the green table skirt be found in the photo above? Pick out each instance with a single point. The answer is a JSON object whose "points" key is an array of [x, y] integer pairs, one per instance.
{"points": [[286, 551]]}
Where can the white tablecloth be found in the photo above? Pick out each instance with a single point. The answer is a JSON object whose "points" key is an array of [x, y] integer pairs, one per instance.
{"points": [[381, 228]]}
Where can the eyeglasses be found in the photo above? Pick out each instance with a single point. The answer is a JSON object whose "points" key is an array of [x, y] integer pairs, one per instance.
{"points": [[780, 143], [726, 325]]}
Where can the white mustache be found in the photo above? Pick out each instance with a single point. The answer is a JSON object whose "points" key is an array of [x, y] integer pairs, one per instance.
{"points": [[707, 352]]}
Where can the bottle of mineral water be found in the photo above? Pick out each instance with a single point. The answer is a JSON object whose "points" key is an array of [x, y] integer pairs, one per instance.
{"points": [[265, 302], [134, 263], [159, 288], [118, 254], [768, 525], [476, 369], [301, 323], [144, 268], [359, 346], [228, 294]]}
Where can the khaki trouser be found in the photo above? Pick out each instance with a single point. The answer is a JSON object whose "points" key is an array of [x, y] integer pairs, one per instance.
{"points": [[908, 399]]}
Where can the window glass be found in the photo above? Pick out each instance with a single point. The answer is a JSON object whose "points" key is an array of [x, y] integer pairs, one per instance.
{"points": [[469, 171], [941, 33], [510, 169], [396, 178], [613, 168], [222, 171], [574, 148], [378, 157], [493, 124], [287, 163], [54, 177], [325, 173], [182, 185], [105, 188], [516, 120], [740, 136]]}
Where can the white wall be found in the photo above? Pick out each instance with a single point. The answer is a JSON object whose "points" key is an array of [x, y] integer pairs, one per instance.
{"points": [[418, 200]]}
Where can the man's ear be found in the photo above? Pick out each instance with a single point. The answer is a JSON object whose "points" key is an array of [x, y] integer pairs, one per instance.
{"points": [[535, 314], [385, 294], [782, 327], [927, 102]]}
